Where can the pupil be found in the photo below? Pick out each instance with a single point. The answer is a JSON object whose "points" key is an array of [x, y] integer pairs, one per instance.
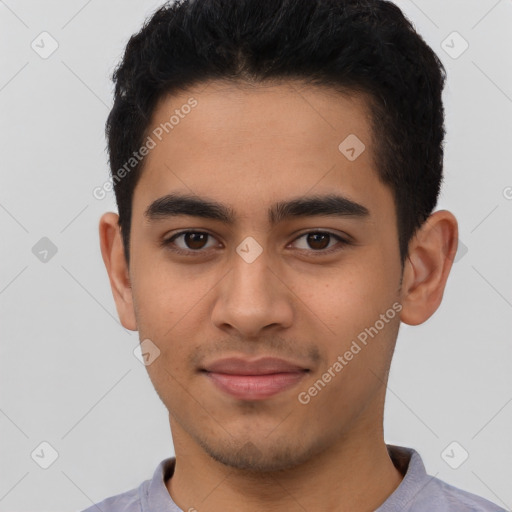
{"points": [[325, 236], [192, 238]]}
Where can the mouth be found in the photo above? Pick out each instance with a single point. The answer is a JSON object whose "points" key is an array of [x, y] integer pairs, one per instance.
{"points": [[254, 380]]}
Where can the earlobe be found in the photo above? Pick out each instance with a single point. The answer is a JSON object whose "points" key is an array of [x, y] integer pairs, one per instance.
{"points": [[111, 244], [431, 254]]}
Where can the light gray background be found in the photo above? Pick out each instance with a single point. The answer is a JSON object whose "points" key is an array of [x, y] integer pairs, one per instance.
{"points": [[68, 375]]}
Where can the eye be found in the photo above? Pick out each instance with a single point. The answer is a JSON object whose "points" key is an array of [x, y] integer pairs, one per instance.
{"points": [[319, 242], [193, 242]]}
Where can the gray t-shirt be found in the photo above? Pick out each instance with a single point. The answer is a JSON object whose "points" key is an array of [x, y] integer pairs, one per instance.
{"points": [[418, 492]]}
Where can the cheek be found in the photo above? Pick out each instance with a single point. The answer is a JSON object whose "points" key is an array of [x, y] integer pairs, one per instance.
{"points": [[170, 372], [346, 306], [168, 295], [341, 299]]}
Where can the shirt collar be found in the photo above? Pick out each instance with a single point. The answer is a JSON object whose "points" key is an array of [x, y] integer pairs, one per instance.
{"points": [[408, 462]]}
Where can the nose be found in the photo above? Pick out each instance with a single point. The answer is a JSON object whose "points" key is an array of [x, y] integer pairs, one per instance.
{"points": [[253, 299]]}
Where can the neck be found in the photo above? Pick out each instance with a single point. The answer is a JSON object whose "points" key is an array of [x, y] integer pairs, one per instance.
{"points": [[354, 474]]}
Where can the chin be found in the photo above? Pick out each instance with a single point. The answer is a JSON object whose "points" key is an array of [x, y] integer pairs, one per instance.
{"points": [[263, 459]]}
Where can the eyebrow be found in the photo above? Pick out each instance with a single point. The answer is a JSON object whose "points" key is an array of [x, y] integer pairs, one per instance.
{"points": [[332, 205]]}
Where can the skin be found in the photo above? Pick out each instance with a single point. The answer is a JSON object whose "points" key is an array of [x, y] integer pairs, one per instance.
{"points": [[249, 147]]}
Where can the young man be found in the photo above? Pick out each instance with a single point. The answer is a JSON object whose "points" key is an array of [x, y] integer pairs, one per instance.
{"points": [[276, 164]]}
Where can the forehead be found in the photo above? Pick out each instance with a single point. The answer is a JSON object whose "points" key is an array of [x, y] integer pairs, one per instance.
{"points": [[250, 145]]}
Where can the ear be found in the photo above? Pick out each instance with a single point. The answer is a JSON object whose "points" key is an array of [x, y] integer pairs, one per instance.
{"points": [[115, 262], [426, 268]]}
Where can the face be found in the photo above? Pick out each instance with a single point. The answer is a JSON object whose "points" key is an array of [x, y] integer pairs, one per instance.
{"points": [[313, 286]]}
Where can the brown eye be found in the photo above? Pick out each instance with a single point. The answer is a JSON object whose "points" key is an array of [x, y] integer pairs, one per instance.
{"points": [[195, 240], [190, 242], [320, 242]]}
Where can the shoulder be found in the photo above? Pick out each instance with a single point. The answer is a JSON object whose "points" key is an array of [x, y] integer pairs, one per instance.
{"points": [[149, 495], [421, 492], [129, 501], [449, 498]]}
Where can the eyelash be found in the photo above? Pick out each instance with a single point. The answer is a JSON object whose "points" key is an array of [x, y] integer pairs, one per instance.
{"points": [[168, 242]]}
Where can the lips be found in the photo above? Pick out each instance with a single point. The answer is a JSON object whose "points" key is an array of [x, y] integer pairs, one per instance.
{"points": [[254, 379], [262, 366]]}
